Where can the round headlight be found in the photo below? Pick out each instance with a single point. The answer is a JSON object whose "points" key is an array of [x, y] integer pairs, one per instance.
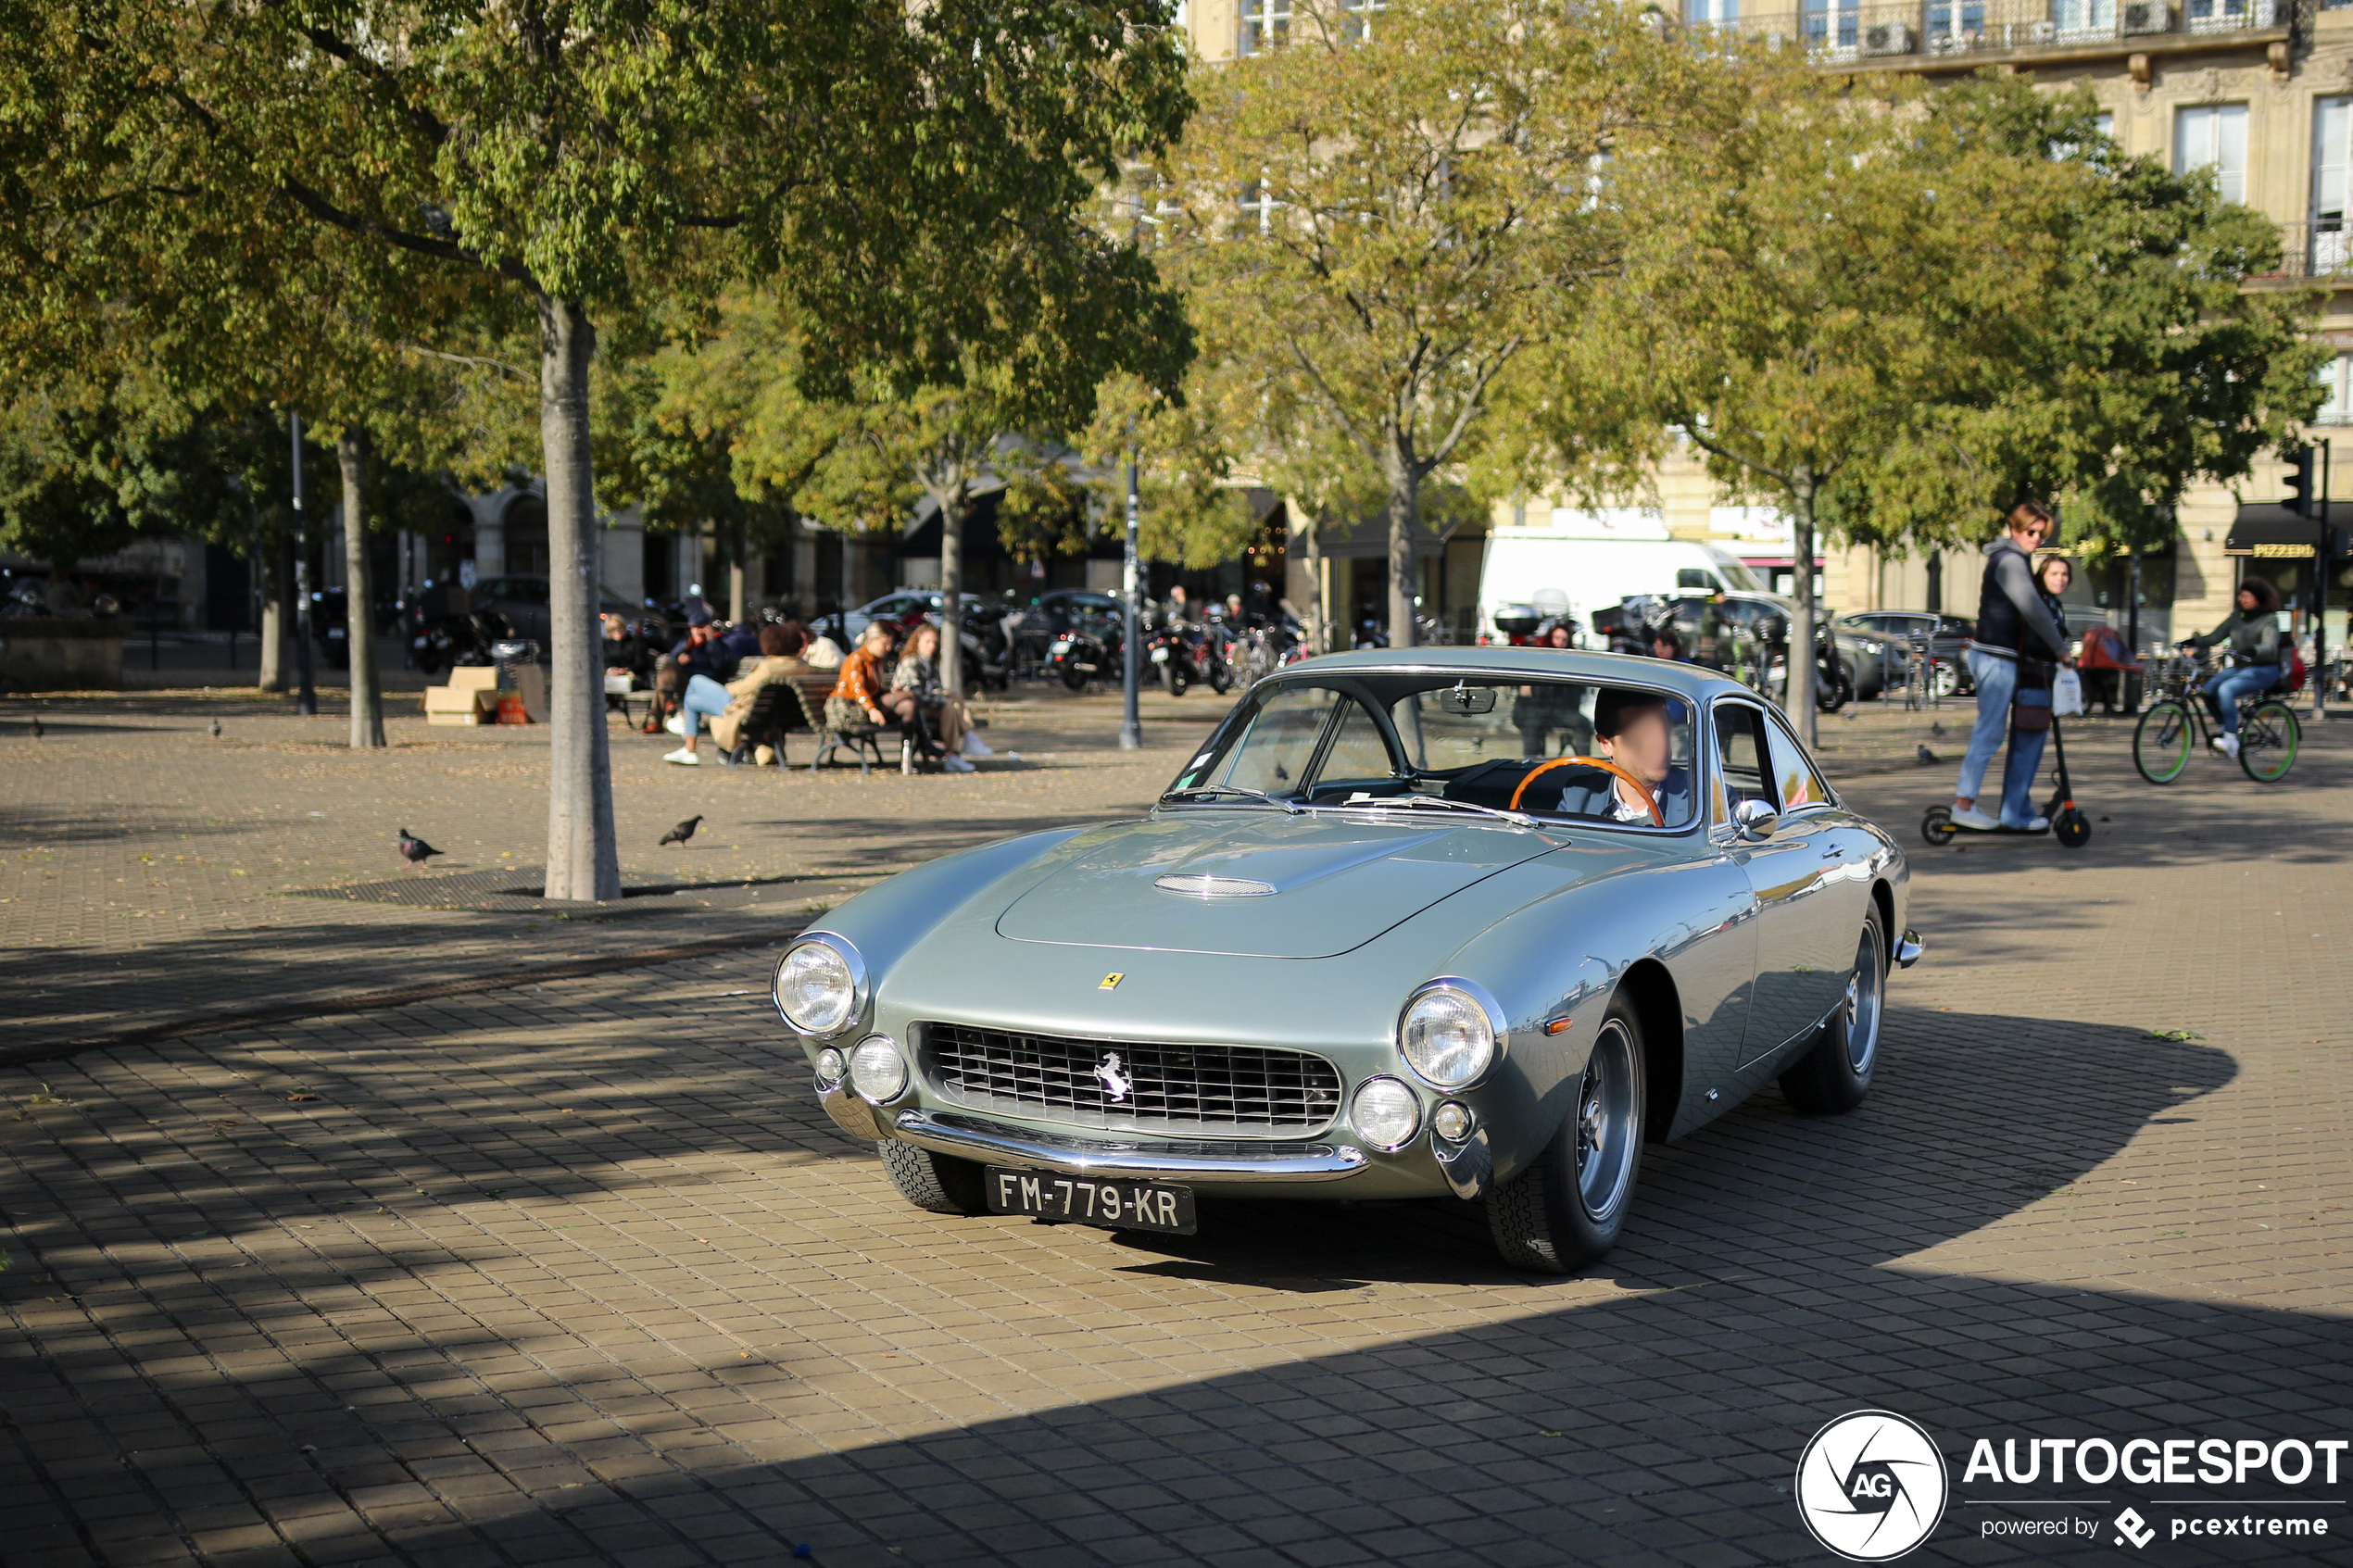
{"points": [[816, 990], [1452, 1121], [877, 1070], [1385, 1112], [1447, 1036], [831, 1065]]}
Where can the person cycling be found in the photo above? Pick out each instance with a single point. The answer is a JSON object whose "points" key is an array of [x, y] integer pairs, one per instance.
{"points": [[2253, 632]]}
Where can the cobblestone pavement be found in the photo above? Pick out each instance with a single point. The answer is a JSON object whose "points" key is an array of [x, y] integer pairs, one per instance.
{"points": [[574, 1270]]}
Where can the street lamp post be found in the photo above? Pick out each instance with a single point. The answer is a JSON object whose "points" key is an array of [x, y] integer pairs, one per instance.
{"points": [[1131, 727], [2320, 598], [306, 698]]}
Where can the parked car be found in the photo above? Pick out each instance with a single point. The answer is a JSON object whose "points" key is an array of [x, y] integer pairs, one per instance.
{"points": [[1945, 634], [1393, 931], [520, 600]]}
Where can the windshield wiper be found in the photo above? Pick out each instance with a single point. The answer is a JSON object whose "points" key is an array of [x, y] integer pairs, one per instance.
{"points": [[1419, 801], [1198, 791]]}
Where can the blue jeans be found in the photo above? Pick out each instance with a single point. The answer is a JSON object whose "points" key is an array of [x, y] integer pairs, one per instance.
{"points": [[1996, 684], [705, 699], [2018, 776], [2227, 686]]}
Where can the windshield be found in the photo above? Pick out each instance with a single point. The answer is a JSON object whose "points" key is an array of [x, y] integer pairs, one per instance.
{"points": [[1736, 574], [1495, 741]]}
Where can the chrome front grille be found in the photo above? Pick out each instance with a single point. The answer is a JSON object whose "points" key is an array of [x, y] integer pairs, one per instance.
{"points": [[1130, 1084]]}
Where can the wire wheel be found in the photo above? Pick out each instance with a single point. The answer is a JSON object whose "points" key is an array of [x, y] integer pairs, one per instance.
{"points": [[2268, 741], [2161, 742]]}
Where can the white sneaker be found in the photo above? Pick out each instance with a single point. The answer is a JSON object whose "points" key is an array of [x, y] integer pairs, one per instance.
{"points": [[975, 747], [955, 764], [2227, 745], [684, 757], [676, 724], [1975, 819], [2037, 825]]}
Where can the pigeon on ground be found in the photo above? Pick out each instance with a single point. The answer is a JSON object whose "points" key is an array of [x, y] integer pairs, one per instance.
{"points": [[216, 729], [682, 832], [1926, 757], [1937, 730], [415, 850], [36, 726]]}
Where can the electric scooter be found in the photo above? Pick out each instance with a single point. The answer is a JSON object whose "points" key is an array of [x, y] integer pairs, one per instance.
{"points": [[2068, 825]]}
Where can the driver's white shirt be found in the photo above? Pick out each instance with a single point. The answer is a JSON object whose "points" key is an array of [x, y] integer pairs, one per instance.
{"points": [[1626, 811]]}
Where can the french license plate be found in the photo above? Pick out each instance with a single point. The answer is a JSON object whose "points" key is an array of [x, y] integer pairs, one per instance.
{"points": [[1092, 1201]]}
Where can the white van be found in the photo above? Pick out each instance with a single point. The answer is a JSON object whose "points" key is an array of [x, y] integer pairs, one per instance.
{"points": [[1581, 562]]}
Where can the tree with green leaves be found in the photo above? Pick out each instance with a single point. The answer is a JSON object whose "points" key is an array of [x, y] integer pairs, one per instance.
{"points": [[1378, 230], [914, 179]]}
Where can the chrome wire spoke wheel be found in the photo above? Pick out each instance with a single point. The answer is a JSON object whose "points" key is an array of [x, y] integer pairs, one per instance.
{"points": [[1865, 993], [1608, 1138]]}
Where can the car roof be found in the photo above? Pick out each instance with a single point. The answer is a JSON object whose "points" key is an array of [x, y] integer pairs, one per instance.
{"points": [[1685, 680]]}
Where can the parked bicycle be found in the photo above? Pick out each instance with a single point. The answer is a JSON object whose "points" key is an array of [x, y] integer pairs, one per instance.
{"points": [[2178, 723]]}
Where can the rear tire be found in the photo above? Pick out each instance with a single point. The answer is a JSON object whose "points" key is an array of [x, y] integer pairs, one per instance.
{"points": [[1172, 675], [938, 1183], [1834, 1075], [1936, 826], [2268, 741], [2161, 742], [1567, 1209], [1074, 677]]}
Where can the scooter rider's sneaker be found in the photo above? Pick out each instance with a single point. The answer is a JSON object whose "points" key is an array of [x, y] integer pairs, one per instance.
{"points": [[2040, 824], [1975, 819], [684, 757], [2227, 745]]}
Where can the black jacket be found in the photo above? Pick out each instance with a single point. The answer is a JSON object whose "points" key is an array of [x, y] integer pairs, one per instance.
{"points": [[2011, 615]]}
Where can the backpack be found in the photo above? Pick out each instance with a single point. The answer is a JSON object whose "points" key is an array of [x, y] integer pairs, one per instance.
{"points": [[2292, 678]]}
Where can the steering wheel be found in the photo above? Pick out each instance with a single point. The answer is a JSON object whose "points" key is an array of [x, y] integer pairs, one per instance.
{"points": [[1658, 818]]}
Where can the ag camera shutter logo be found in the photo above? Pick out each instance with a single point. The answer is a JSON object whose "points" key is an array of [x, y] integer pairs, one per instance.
{"points": [[1872, 1485]]}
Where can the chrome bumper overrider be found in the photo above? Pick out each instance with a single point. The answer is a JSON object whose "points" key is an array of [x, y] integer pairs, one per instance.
{"points": [[1907, 950], [971, 1137]]}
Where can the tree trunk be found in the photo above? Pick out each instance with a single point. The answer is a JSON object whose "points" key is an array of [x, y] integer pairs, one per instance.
{"points": [[269, 559], [738, 577], [583, 861], [1405, 520], [1798, 699], [1316, 615], [359, 594], [951, 589]]}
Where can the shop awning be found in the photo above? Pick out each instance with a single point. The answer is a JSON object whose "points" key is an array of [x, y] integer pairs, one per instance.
{"points": [[2266, 530]]}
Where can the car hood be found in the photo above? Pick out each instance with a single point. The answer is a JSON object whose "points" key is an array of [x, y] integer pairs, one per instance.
{"points": [[1337, 881]]}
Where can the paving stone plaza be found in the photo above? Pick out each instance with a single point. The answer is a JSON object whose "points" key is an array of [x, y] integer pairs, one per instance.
{"points": [[357, 1214]]}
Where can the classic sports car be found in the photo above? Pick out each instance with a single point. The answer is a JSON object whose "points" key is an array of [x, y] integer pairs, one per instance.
{"points": [[1473, 922]]}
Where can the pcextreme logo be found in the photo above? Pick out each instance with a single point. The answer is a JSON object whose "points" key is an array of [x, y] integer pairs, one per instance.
{"points": [[1872, 1485]]}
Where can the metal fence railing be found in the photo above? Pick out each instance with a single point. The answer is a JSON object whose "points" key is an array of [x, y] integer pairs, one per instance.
{"points": [[1850, 30]]}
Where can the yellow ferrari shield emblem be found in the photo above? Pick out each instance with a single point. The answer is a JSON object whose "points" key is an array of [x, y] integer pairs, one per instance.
{"points": [[1111, 982]]}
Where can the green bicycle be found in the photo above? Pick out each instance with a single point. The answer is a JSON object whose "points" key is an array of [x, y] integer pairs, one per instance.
{"points": [[2177, 724]]}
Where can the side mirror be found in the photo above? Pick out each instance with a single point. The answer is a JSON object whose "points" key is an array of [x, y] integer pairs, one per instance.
{"points": [[1756, 820]]}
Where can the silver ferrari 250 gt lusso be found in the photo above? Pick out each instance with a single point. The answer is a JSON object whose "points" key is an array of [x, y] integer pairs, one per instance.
{"points": [[1448, 923]]}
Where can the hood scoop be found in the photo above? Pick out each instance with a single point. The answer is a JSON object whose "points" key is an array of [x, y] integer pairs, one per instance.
{"points": [[1214, 886]]}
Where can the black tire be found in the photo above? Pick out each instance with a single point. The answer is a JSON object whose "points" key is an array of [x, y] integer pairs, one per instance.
{"points": [[1567, 1209], [1834, 1074], [2268, 742], [1074, 677], [1221, 678], [940, 1184], [2072, 828], [2162, 742], [1172, 676], [1936, 826], [1842, 687]]}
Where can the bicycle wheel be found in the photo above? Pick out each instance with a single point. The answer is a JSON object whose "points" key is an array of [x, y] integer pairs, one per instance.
{"points": [[2268, 741], [2161, 742]]}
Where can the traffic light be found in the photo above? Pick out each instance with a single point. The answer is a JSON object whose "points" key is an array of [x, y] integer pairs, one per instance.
{"points": [[2299, 479]]}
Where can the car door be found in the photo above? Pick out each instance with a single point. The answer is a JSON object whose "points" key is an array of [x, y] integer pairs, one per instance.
{"points": [[1805, 937]]}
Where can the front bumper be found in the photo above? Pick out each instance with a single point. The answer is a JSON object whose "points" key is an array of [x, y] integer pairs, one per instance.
{"points": [[974, 1137]]}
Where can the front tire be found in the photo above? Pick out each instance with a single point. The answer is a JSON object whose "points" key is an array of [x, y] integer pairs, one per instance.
{"points": [[1074, 677], [1172, 676], [1567, 1209], [939, 1184], [1835, 1073], [2161, 742]]}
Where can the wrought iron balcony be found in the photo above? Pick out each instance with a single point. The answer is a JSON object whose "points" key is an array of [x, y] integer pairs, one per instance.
{"points": [[1911, 34]]}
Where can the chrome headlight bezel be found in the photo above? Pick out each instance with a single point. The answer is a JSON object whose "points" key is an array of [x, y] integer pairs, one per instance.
{"points": [[861, 1084], [1384, 1081], [859, 988], [1480, 998]]}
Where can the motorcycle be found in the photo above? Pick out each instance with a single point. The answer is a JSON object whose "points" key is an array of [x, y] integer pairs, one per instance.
{"points": [[1834, 682], [1182, 656], [441, 642], [1089, 650]]}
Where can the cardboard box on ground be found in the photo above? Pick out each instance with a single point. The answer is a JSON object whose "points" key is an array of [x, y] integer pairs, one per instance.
{"points": [[473, 696]]}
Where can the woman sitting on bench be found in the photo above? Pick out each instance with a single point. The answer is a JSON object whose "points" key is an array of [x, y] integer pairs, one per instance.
{"points": [[862, 695]]}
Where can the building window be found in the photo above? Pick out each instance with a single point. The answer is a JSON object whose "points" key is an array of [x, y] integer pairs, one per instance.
{"points": [[1257, 206], [2225, 16], [2336, 384], [2104, 123], [1265, 24], [1832, 24], [1357, 19], [2083, 18], [1711, 13], [2332, 126], [1955, 24], [2213, 136]]}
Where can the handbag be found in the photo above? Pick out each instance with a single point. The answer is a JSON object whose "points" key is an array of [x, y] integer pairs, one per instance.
{"points": [[2066, 693], [2031, 710]]}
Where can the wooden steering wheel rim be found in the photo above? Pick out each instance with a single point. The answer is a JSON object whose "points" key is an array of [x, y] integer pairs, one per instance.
{"points": [[1658, 818]]}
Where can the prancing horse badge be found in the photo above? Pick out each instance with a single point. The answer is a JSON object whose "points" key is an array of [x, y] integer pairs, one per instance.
{"points": [[1111, 981]]}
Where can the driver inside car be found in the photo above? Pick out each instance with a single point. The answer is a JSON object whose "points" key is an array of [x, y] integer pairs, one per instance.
{"points": [[1631, 729]]}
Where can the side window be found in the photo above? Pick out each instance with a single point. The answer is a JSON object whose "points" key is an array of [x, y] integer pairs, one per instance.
{"points": [[1740, 757], [1793, 775], [1358, 752], [1272, 756]]}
